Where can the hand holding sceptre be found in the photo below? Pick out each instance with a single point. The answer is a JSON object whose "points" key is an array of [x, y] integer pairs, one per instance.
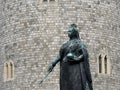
{"points": [[50, 68]]}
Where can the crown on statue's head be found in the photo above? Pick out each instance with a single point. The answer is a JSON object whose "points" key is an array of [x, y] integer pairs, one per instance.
{"points": [[73, 25]]}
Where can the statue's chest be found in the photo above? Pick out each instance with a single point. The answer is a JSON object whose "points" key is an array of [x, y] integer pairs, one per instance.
{"points": [[72, 46]]}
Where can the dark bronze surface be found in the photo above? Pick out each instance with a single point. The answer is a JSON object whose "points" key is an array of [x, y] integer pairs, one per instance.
{"points": [[74, 63]]}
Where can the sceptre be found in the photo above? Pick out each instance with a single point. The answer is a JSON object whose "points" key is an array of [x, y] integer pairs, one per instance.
{"points": [[55, 60]]}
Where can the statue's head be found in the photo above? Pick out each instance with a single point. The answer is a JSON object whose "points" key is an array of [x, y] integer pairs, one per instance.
{"points": [[73, 31]]}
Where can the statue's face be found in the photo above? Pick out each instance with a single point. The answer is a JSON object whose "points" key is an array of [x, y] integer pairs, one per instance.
{"points": [[70, 32], [73, 32]]}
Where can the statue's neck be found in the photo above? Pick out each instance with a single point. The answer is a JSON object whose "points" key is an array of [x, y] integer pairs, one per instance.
{"points": [[73, 38]]}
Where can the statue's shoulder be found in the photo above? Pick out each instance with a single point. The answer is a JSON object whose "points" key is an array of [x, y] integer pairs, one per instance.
{"points": [[82, 45], [64, 46]]}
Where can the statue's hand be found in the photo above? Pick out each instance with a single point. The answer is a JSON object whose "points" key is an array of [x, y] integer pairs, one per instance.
{"points": [[70, 56], [50, 68]]}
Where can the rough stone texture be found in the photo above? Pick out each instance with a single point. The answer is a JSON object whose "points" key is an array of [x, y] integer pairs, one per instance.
{"points": [[32, 31]]}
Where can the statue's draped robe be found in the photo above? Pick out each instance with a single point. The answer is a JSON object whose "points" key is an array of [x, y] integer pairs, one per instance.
{"points": [[75, 75]]}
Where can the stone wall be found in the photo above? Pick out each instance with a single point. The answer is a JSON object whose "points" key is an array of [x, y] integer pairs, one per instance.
{"points": [[32, 31]]}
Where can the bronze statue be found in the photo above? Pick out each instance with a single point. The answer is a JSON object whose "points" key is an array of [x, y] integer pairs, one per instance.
{"points": [[74, 63]]}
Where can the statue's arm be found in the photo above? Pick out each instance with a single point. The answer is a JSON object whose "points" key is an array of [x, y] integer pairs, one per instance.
{"points": [[53, 63], [79, 58], [74, 57], [56, 59]]}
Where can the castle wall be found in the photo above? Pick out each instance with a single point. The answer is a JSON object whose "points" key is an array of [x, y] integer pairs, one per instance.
{"points": [[98, 21], [32, 31]]}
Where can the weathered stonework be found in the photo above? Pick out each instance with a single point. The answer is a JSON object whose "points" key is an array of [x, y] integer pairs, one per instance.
{"points": [[32, 31]]}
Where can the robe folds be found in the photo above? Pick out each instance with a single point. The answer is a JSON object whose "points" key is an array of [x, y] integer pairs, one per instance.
{"points": [[75, 75]]}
